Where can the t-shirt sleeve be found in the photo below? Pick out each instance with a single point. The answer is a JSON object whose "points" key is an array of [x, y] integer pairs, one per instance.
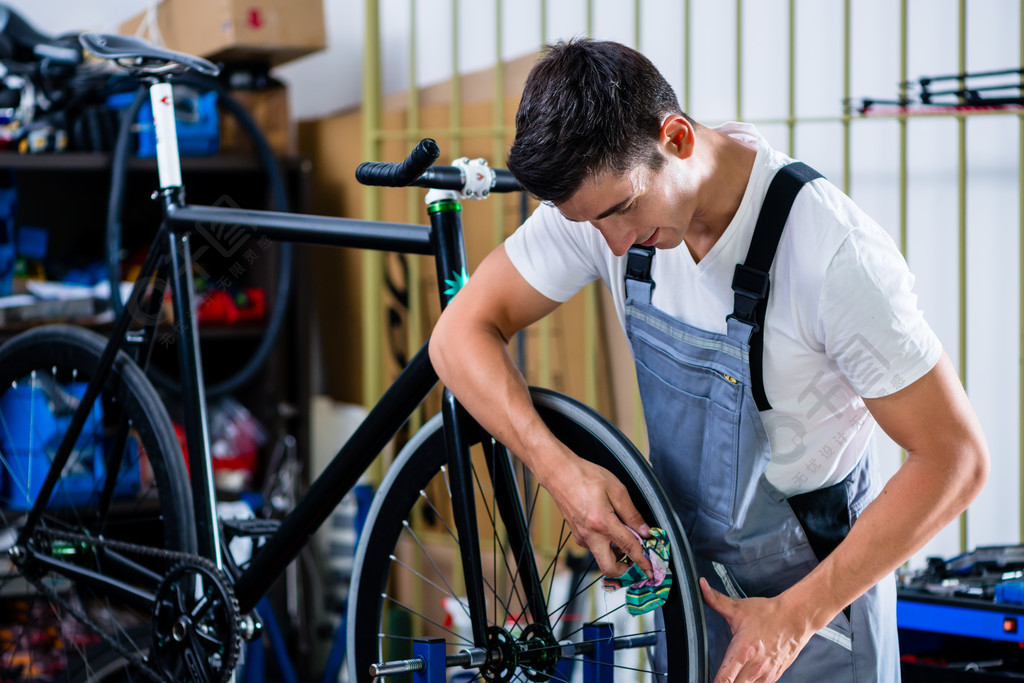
{"points": [[872, 325], [554, 255]]}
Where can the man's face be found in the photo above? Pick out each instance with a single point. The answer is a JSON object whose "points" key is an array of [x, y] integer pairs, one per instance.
{"points": [[640, 207]]}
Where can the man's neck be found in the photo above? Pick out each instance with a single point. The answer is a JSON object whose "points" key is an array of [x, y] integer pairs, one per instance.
{"points": [[728, 165]]}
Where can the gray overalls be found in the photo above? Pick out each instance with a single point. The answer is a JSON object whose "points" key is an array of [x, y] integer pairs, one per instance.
{"points": [[709, 449]]}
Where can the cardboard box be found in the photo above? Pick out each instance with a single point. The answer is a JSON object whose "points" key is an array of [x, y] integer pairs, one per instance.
{"points": [[273, 31], [269, 110]]}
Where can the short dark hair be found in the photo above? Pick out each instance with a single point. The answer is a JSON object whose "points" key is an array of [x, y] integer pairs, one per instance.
{"points": [[588, 106]]}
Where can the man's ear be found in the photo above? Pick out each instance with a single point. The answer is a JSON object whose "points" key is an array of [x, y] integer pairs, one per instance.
{"points": [[677, 136]]}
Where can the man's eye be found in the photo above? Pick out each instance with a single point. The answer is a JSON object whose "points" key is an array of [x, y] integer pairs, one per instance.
{"points": [[627, 208]]}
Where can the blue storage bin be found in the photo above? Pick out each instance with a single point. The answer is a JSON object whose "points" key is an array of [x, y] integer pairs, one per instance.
{"points": [[1010, 593], [196, 117], [32, 433]]}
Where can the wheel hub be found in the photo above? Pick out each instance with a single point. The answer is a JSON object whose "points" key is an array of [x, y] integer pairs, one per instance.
{"points": [[534, 655], [502, 656], [540, 652]]}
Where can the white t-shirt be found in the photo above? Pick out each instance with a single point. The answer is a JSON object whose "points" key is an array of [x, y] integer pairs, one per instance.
{"points": [[842, 320]]}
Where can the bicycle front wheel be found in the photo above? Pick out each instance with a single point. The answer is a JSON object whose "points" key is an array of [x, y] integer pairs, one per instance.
{"points": [[409, 581], [125, 483]]}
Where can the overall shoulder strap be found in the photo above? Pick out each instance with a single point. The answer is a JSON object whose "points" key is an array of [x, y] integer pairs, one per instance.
{"points": [[750, 282], [639, 285]]}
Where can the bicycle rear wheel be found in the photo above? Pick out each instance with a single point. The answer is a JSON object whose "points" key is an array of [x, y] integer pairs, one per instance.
{"points": [[141, 498], [409, 581]]}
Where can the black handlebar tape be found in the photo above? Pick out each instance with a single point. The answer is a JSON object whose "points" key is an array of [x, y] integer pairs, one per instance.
{"points": [[402, 174], [504, 181], [442, 178]]}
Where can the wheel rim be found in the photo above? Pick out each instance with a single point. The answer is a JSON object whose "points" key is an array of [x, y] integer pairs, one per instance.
{"points": [[412, 595]]}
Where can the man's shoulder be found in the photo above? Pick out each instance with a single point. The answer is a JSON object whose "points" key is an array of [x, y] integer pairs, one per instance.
{"points": [[557, 256]]}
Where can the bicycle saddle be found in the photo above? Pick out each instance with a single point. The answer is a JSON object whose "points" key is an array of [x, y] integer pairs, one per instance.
{"points": [[143, 55], [20, 42]]}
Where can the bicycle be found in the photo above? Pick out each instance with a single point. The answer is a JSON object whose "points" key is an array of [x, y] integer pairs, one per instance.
{"points": [[115, 544]]}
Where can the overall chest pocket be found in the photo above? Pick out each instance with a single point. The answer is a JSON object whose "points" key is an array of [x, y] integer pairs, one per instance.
{"points": [[693, 416]]}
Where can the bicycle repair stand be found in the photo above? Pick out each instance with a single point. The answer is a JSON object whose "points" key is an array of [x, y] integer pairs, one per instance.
{"points": [[429, 662]]}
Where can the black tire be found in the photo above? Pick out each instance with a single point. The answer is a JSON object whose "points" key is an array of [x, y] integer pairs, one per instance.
{"points": [[407, 562], [151, 506]]}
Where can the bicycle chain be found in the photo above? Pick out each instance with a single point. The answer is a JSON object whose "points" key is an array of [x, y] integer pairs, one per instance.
{"points": [[134, 659], [234, 638]]}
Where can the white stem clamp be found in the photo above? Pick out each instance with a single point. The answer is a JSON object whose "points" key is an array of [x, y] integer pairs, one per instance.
{"points": [[479, 178]]}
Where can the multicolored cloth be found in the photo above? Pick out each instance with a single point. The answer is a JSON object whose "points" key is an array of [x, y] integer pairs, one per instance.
{"points": [[645, 594]]}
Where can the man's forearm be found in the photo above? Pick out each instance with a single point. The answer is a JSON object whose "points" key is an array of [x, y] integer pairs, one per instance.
{"points": [[916, 503], [476, 366]]}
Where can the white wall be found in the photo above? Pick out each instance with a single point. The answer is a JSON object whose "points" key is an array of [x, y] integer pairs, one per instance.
{"points": [[55, 17], [330, 81]]}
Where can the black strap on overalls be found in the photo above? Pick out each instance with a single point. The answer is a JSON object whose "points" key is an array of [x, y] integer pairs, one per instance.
{"points": [[750, 282]]}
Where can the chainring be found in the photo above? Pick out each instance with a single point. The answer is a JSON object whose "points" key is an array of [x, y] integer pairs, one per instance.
{"points": [[196, 632]]}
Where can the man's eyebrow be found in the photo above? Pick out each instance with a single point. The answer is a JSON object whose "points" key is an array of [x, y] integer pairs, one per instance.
{"points": [[618, 207], [604, 214]]}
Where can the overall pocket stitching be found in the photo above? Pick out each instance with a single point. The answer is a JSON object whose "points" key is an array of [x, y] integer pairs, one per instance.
{"points": [[714, 420], [836, 636], [727, 582]]}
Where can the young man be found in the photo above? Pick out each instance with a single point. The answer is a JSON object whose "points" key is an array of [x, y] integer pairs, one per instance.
{"points": [[767, 450]]}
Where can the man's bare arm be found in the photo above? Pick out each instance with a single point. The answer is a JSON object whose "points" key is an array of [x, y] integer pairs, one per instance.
{"points": [[947, 464], [469, 350]]}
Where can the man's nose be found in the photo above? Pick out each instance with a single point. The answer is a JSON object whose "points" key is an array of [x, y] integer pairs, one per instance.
{"points": [[616, 236]]}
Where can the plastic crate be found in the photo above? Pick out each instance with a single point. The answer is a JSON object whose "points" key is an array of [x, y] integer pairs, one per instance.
{"points": [[197, 123], [31, 433]]}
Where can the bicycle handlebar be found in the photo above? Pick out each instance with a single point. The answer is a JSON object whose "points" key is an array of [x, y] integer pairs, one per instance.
{"points": [[417, 169], [405, 173]]}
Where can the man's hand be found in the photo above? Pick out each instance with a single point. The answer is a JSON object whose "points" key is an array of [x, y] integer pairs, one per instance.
{"points": [[766, 639], [469, 351], [599, 513]]}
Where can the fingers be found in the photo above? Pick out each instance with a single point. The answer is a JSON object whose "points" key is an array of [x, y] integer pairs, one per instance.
{"points": [[627, 512], [747, 672], [601, 515], [743, 665], [719, 602], [608, 561], [711, 596], [634, 551], [614, 555], [631, 519], [615, 551]]}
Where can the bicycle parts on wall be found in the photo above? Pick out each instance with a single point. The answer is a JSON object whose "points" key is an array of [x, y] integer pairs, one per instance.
{"points": [[410, 583]]}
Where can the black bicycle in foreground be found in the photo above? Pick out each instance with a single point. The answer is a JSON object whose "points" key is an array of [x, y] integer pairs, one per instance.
{"points": [[116, 564]]}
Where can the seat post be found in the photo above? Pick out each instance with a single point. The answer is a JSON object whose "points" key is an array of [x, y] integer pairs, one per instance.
{"points": [[168, 163]]}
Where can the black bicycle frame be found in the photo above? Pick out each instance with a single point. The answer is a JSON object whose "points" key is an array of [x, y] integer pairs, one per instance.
{"points": [[444, 240]]}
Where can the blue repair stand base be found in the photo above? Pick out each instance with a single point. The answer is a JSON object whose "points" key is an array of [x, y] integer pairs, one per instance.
{"points": [[598, 664]]}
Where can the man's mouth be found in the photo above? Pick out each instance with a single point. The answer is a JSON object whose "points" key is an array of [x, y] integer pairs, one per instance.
{"points": [[650, 241]]}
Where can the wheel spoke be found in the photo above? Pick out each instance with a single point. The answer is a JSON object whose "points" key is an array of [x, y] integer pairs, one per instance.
{"points": [[42, 372], [411, 520]]}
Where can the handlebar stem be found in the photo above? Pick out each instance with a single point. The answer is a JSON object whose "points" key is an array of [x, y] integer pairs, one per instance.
{"points": [[478, 178], [441, 196]]}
